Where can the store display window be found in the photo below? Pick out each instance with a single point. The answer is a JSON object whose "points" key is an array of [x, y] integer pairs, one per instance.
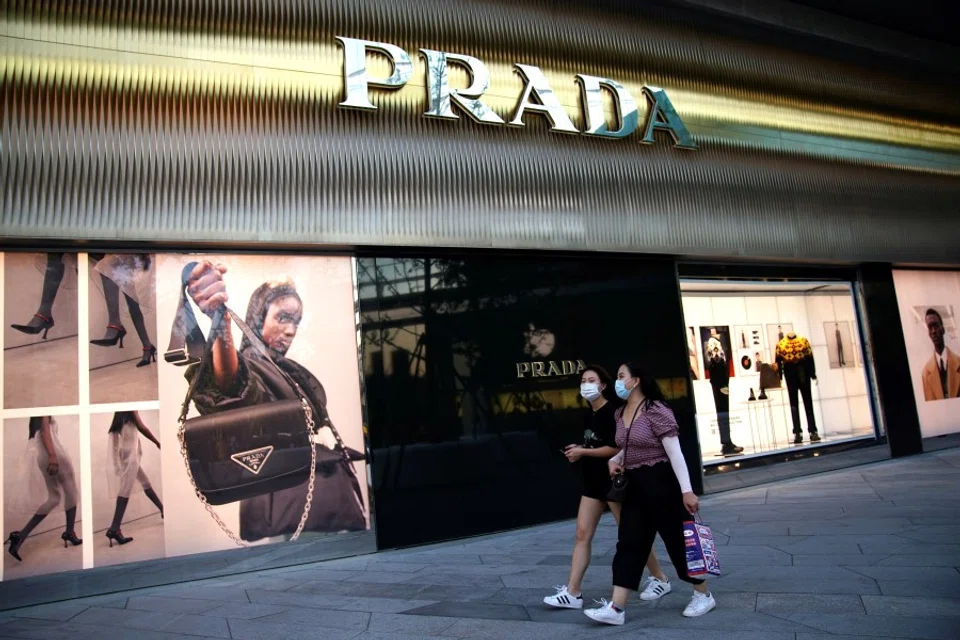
{"points": [[775, 366]]}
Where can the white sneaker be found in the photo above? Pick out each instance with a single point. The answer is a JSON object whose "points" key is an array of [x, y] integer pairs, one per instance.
{"points": [[605, 613], [563, 600], [655, 589], [699, 605]]}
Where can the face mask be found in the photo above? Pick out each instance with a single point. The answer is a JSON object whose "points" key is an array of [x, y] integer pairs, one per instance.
{"points": [[622, 390], [590, 391]]}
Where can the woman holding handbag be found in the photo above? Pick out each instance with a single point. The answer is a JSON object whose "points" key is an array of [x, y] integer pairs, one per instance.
{"points": [[258, 374], [652, 475], [599, 444]]}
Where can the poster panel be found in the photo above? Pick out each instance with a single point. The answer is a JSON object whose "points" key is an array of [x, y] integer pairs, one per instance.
{"points": [[929, 302], [245, 438], [276, 394]]}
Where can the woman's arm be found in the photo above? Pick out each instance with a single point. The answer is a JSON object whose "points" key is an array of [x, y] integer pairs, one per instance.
{"points": [[600, 452], [144, 430], [672, 447], [574, 452], [226, 362], [207, 289]]}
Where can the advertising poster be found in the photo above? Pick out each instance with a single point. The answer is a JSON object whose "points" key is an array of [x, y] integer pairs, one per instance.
{"points": [[718, 354], [929, 301], [123, 326], [40, 343], [246, 424], [775, 333], [840, 346], [127, 487], [99, 353], [41, 498]]}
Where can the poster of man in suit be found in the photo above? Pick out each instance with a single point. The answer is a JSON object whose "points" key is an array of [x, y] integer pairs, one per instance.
{"points": [[941, 373]]}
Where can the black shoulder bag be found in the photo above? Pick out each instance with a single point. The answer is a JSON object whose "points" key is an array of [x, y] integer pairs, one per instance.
{"points": [[241, 453], [618, 487]]}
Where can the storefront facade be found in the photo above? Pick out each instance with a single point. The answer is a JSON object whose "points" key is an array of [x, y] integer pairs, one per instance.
{"points": [[440, 215]]}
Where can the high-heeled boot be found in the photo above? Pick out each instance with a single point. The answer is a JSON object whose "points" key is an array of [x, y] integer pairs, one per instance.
{"points": [[154, 498], [113, 533], [69, 535], [15, 539]]}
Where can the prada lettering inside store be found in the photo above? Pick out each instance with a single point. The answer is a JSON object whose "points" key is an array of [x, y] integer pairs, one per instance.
{"points": [[328, 284]]}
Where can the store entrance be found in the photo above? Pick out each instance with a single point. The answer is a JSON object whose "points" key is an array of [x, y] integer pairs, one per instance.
{"points": [[777, 368]]}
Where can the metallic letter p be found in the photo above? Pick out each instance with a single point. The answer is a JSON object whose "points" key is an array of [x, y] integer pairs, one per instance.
{"points": [[355, 80]]}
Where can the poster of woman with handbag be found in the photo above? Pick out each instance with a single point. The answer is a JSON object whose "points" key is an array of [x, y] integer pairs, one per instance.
{"points": [[264, 437]]}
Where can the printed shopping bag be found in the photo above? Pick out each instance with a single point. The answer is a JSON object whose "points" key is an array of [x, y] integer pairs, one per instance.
{"points": [[701, 549]]}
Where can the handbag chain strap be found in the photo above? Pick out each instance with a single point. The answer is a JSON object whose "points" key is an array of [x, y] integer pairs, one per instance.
{"points": [[308, 418]]}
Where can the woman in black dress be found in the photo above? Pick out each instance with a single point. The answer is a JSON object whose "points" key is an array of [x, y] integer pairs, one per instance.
{"points": [[599, 445]]}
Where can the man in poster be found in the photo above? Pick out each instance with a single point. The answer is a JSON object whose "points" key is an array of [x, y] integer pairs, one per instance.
{"points": [[941, 375]]}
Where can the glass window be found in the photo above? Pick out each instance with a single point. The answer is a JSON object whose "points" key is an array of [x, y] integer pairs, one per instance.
{"points": [[775, 366]]}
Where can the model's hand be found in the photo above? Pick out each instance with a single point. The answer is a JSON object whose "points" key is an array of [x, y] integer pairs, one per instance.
{"points": [[615, 468], [573, 452], [206, 287], [691, 502], [53, 466]]}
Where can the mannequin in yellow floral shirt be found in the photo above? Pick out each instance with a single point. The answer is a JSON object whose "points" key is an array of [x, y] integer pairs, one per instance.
{"points": [[795, 356]]}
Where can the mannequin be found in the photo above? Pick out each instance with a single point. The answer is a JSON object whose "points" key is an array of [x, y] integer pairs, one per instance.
{"points": [[717, 367], [799, 369]]}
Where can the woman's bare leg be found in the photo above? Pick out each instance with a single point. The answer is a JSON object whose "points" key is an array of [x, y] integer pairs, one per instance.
{"points": [[588, 517], [653, 566]]}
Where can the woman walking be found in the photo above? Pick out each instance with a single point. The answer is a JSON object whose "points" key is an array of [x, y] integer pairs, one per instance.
{"points": [[59, 479], [126, 453], [659, 498], [599, 444]]}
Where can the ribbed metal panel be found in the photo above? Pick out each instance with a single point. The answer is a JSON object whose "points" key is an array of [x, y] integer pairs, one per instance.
{"points": [[216, 120]]}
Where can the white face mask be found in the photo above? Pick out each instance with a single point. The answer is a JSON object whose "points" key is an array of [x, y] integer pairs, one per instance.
{"points": [[590, 391]]}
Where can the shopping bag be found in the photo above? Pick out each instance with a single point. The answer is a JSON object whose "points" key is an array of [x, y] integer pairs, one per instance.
{"points": [[701, 549]]}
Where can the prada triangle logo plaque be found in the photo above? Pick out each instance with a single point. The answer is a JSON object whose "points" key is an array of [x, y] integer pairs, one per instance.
{"points": [[253, 460]]}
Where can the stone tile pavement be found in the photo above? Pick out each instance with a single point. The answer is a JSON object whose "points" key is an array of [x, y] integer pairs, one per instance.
{"points": [[867, 552]]}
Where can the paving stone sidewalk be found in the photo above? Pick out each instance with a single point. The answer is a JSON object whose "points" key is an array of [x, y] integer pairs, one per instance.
{"points": [[868, 552]]}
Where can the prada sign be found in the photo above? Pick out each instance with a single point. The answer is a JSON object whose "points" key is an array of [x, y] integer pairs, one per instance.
{"points": [[443, 101], [550, 368]]}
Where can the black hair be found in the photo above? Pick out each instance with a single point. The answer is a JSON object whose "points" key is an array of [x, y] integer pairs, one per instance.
{"points": [[933, 312], [609, 391], [36, 423], [121, 418], [648, 384]]}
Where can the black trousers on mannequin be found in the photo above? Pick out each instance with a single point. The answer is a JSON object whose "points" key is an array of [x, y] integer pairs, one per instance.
{"points": [[722, 402], [798, 380]]}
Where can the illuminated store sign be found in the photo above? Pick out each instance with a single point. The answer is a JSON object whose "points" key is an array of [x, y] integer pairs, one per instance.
{"points": [[537, 95]]}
